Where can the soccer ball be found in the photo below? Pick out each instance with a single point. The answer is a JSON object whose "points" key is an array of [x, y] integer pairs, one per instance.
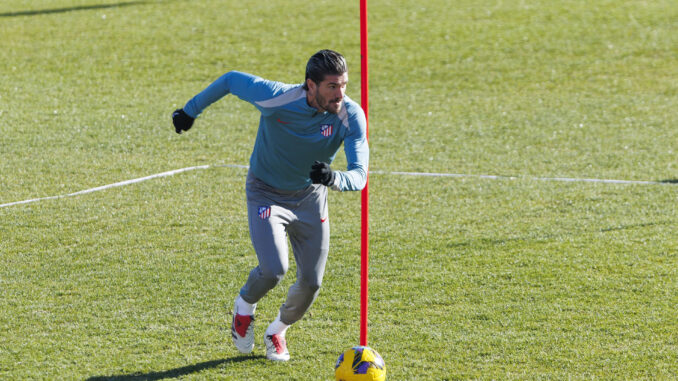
{"points": [[360, 364]]}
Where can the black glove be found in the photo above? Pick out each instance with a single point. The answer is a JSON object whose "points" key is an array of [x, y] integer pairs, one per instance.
{"points": [[181, 120], [321, 173]]}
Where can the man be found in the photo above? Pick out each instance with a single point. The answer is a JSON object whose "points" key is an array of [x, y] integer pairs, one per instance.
{"points": [[300, 131]]}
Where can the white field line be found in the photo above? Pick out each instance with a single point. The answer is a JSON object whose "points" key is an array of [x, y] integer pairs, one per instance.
{"points": [[420, 174], [500, 177], [109, 186]]}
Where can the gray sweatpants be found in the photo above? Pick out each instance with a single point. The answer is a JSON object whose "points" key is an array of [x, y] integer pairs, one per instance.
{"points": [[274, 215]]}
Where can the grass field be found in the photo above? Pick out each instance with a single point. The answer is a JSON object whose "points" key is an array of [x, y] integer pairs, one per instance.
{"points": [[471, 277]]}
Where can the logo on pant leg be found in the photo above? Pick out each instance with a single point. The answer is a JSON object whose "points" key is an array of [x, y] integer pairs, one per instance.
{"points": [[264, 212]]}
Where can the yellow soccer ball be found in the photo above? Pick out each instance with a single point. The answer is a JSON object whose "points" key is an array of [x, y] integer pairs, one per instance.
{"points": [[360, 364]]}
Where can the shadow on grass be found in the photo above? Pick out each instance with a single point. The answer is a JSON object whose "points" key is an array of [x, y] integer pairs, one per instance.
{"points": [[176, 372], [635, 226], [669, 181], [69, 9]]}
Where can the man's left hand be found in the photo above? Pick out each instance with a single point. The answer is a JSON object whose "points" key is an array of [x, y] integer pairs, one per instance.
{"points": [[321, 173]]}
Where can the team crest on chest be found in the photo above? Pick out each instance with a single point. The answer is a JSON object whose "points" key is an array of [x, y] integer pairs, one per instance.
{"points": [[326, 130], [264, 212]]}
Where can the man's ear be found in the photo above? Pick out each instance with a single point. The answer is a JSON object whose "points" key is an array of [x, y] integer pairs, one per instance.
{"points": [[311, 85]]}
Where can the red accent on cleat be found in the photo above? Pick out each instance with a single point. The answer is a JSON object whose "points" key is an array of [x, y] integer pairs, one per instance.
{"points": [[241, 323], [279, 343]]}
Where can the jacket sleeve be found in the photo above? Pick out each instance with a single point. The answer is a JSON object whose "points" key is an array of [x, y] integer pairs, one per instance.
{"points": [[245, 86], [357, 156]]}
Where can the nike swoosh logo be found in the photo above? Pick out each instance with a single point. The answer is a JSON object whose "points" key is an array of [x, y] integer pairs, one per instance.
{"points": [[322, 220], [281, 122]]}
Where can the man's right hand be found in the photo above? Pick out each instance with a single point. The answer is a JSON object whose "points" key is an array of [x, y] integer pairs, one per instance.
{"points": [[181, 120]]}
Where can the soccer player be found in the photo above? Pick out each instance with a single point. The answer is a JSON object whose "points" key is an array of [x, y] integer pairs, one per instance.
{"points": [[301, 129]]}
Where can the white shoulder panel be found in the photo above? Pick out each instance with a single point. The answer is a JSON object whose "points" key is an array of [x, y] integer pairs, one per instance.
{"points": [[343, 115], [283, 99]]}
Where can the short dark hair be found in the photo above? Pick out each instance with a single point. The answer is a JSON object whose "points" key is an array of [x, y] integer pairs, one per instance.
{"points": [[323, 63]]}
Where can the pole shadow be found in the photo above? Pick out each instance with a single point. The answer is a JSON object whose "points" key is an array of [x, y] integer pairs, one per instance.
{"points": [[70, 9], [176, 372]]}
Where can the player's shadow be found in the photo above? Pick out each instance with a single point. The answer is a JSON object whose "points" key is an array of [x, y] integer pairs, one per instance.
{"points": [[669, 181], [176, 372], [70, 9]]}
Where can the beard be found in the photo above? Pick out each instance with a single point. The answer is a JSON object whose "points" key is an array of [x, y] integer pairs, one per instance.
{"points": [[333, 106]]}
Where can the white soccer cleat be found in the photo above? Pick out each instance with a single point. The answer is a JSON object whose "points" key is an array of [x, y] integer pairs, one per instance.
{"points": [[276, 348], [242, 331]]}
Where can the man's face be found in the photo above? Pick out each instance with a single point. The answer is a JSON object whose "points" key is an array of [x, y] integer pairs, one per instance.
{"points": [[328, 95]]}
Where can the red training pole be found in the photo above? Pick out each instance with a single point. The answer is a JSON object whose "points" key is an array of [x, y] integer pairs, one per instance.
{"points": [[364, 225]]}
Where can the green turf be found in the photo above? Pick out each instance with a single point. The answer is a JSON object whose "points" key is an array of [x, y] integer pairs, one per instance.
{"points": [[471, 278]]}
